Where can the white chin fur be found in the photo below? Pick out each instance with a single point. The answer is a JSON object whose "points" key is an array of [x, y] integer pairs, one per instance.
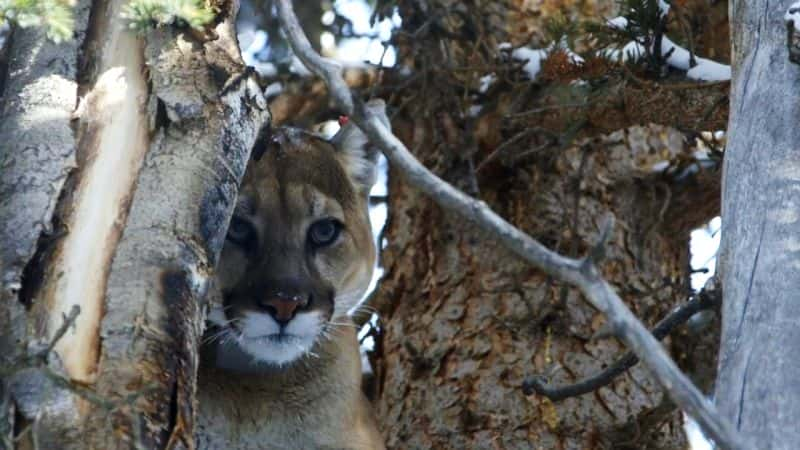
{"points": [[262, 338]]}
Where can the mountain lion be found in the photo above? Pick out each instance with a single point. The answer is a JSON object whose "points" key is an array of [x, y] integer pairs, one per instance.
{"points": [[281, 367]]}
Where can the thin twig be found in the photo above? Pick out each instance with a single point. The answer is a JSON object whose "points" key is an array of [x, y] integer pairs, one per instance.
{"points": [[10, 368], [69, 321], [501, 149], [577, 272], [680, 315]]}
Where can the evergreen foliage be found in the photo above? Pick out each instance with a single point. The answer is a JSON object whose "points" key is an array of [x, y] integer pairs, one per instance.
{"points": [[144, 14], [54, 15]]}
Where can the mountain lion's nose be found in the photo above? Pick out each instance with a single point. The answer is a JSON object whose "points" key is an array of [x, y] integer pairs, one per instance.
{"points": [[283, 308]]}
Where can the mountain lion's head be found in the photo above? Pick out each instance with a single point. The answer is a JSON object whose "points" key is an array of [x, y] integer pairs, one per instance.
{"points": [[299, 251]]}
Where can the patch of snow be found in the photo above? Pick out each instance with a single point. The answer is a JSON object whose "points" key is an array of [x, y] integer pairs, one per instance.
{"points": [[697, 441], [659, 166], [573, 57], [328, 17], [327, 40], [793, 15], [619, 23], [705, 70], [703, 245], [366, 367], [533, 58], [474, 110], [564, 46], [701, 154], [486, 82], [664, 7], [679, 57], [632, 51]]}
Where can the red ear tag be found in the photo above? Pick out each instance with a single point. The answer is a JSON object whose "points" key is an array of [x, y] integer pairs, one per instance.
{"points": [[343, 120]]}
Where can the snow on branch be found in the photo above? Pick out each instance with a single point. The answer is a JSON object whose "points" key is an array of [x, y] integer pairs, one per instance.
{"points": [[533, 57], [675, 55], [582, 273]]}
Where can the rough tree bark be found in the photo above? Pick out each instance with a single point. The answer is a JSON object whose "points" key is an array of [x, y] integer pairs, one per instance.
{"points": [[464, 320], [38, 152], [158, 143], [760, 352]]}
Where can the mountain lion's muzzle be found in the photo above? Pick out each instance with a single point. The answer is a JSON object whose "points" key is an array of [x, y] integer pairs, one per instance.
{"points": [[299, 252]]}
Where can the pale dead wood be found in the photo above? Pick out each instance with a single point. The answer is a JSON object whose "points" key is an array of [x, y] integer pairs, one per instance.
{"points": [[756, 385]]}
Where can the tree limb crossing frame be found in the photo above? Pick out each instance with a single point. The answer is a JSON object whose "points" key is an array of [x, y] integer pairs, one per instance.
{"points": [[581, 273]]}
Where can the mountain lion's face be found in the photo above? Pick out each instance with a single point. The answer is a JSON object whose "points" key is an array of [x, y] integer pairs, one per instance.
{"points": [[299, 252]]}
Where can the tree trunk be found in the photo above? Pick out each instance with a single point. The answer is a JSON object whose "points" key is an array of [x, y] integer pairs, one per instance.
{"points": [[760, 349], [465, 321], [160, 139]]}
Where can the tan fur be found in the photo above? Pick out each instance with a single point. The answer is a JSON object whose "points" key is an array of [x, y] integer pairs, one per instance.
{"points": [[314, 401], [316, 405]]}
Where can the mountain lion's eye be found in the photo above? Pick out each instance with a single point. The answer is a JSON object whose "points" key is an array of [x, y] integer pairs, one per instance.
{"points": [[324, 232], [240, 232]]}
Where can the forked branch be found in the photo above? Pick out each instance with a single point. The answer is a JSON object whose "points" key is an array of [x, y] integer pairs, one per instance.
{"points": [[582, 273], [679, 316]]}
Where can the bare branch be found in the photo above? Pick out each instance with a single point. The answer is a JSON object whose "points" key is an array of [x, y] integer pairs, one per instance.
{"points": [[680, 315], [39, 357], [327, 69], [69, 321], [580, 273]]}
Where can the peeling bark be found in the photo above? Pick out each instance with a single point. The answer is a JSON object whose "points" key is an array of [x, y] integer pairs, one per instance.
{"points": [[175, 229], [161, 139], [38, 146], [112, 141], [40, 93]]}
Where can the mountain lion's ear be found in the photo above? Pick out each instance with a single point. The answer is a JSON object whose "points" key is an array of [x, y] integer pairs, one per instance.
{"points": [[356, 154]]}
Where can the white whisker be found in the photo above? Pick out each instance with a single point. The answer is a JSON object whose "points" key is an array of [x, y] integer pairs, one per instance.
{"points": [[343, 325]]}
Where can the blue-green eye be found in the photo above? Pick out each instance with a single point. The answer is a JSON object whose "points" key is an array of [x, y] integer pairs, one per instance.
{"points": [[241, 232], [324, 232]]}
